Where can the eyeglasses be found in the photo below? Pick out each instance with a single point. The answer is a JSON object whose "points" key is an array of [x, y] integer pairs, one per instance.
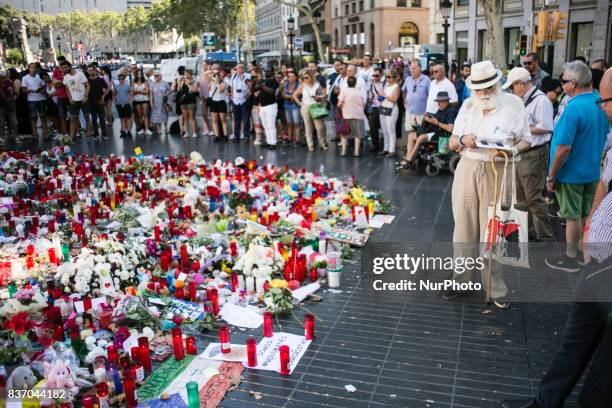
{"points": [[565, 81], [305, 78], [601, 101], [527, 63], [375, 76]]}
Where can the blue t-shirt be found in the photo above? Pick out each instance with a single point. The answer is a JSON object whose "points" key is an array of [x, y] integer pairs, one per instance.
{"points": [[584, 127], [123, 93]]}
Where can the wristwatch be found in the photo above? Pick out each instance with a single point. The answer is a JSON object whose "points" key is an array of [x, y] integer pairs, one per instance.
{"points": [[461, 140]]}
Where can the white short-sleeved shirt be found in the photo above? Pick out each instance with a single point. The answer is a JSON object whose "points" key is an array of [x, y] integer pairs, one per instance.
{"points": [[76, 85], [540, 114], [33, 83], [240, 88], [510, 119], [309, 92], [440, 86]]}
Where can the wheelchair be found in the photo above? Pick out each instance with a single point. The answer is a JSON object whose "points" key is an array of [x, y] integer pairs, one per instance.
{"points": [[434, 156]]}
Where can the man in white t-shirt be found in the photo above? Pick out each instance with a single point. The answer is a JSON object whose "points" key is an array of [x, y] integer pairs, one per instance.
{"points": [[77, 88], [33, 87], [440, 83]]}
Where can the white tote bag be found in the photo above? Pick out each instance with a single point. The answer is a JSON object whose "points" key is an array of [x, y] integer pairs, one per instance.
{"points": [[507, 229]]}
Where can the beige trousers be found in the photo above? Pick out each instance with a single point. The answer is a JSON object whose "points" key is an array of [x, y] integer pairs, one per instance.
{"points": [[473, 188], [310, 125]]}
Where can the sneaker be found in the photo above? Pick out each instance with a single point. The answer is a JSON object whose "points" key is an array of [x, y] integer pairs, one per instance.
{"points": [[122, 134], [140, 132], [58, 137], [194, 135], [271, 146], [257, 143], [232, 137], [501, 303], [148, 132], [563, 263]]}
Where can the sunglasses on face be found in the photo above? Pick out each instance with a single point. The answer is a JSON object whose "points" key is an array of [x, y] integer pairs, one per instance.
{"points": [[375, 76], [414, 88], [602, 101], [565, 81]]}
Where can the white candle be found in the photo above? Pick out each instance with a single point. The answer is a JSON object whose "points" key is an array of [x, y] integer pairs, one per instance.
{"points": [[250, 284], [241, 282], [259, 284]]}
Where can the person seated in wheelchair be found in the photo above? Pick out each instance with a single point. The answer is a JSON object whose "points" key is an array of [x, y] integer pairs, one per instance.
{"points": [[433, 126]]}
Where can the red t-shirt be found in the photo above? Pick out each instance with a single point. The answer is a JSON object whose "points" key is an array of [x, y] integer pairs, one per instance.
{"points": [[60, 90]]}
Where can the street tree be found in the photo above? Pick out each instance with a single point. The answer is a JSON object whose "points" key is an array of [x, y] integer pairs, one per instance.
{"points": [[136, 21], [495, 31], [311, 9]]}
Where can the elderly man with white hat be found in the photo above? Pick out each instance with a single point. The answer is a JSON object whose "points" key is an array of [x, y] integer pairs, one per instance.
{"points": [[532, 169], [488, 113]]}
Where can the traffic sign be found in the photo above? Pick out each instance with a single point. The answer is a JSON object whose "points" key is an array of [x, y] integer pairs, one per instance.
{"points": [[299, 42]]}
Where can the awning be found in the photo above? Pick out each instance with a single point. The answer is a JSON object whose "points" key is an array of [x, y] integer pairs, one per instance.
{"points": [[277, 54]]}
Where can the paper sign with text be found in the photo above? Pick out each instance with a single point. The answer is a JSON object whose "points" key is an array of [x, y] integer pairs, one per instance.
{"points": [[268, 357]]}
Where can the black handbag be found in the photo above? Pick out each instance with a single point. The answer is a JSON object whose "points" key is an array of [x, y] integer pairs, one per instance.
{"points": [[386, 111]]}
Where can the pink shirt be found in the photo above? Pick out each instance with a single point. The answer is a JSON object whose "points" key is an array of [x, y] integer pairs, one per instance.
{"points": [[353, 104]]}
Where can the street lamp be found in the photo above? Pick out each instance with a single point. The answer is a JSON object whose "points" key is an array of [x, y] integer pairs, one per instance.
{"points": [[445, 9], [239, 45], [291, 34], [59, 43]]}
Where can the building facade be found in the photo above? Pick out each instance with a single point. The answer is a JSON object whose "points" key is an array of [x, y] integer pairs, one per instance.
{"points": [[588, 32], [65, 6], [324, 21], [377, 26], [271, 25]]}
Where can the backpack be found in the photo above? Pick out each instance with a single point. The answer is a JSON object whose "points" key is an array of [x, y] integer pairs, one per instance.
{"points": [[175, 128]]}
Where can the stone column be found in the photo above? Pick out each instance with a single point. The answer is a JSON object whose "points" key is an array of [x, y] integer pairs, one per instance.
{"points": [[472, 30], [21, 37], [49, 42], [561, 45], [600, 30]]}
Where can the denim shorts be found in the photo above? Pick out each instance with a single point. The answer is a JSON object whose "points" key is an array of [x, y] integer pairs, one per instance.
{"points": [[37, 108], [62, 107], [293, 115]]}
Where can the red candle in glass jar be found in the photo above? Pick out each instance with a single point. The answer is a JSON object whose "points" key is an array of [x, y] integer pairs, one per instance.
{"points": [[192, 345], [187, 211], [309, 326], [58, 333], [233, 281], [224, 339], [86, 303], [233, 248], [51, 226], [184, 254], [52, 257], [268, 331], [157, 233], [102, 394], [193, 291], [88, 401], [214, 299], [129, 388], [251, 345], [177, 342], [105, 316], [165, 263], [284, 359], [145, 352], [314, 274], [93, 215], [111, 354]]}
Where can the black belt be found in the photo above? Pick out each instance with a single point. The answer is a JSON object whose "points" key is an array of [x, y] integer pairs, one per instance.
{"points": [[547, 144]]}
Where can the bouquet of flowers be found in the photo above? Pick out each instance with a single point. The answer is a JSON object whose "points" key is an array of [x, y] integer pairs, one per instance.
{"points": [[241, 198], [260, 260]]}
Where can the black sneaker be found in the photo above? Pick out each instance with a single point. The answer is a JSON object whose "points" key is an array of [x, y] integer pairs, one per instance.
{"points": [[563, 263], [523, 403], [122, 134], [271, 146]]}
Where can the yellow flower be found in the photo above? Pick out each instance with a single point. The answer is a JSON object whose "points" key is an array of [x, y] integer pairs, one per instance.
{"points": [[278, 283]]}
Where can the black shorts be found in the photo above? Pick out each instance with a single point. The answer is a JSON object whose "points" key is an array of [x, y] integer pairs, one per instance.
{"points": [[77, 106], [136, 103], [218, 107], [124, 111], [63, 105]]}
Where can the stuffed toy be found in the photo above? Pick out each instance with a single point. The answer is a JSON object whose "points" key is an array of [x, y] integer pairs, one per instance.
{"points": [[22, 378], [59, 375]]}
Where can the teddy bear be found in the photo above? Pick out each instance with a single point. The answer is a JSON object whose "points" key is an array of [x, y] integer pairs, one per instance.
{"points": [[22, 378], [59, 375]]}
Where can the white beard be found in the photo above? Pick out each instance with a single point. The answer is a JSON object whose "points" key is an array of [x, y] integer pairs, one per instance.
{"points": [[489, 102]]}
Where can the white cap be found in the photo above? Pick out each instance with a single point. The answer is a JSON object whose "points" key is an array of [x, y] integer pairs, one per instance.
{"points": [[516, 74]]}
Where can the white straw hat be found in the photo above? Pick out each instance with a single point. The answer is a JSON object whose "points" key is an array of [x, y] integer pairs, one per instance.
{"points": [[483, 75]]}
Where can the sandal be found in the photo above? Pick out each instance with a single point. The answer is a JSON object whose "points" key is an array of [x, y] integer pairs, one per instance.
{"points": [[405, 164]]}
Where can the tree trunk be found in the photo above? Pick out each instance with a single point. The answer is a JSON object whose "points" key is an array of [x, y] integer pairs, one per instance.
{"points": [[248, 51], [495, 32], [228, 35], [317, 34]]}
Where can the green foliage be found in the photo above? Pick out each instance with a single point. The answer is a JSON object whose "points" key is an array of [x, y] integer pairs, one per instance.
{"points": [[14, 56]]}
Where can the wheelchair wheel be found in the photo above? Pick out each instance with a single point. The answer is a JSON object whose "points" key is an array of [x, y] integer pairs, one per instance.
{"points": [[452, 165], [432, 170]]}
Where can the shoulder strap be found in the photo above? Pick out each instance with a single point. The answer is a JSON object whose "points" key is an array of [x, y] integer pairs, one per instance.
{"points": [[531, 97]]}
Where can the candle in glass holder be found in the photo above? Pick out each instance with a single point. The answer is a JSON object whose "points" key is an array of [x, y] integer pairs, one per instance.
{"points": [[284, 359], [58, 333], [251, 345], [88, 401], [192, 346], [309, 326], [52, 257], [193, 396], [165, 263], [214, 299], [184, 255], [157, 233], [137, 363], [233, 248], [268, 331], [187, 211], [104, 316], [66, 252], [102, 394], [193, 291], [314, 274], [51, 226], [224, 338], [177, 342], [145, 352], [129, 388], [233, 281], [111, 354]]}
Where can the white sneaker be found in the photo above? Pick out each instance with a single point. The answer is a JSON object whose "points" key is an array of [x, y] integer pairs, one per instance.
{"points": [[257, 143], [148, 132], [211, 133], [141, 132], [194, 135], [232, 137]]}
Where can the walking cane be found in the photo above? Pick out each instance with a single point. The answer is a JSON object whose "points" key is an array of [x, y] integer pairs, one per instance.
{"points": [[493, 230]]}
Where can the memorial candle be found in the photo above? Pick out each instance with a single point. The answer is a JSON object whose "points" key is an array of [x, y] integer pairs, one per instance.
{"points": [[192, 345], [193, 291], [177, 342], [66, 252], [284, 359], [88, 401], [157, 233], [251, 345], [145, 352], [193, 396], [102, 394], [165, 263], [224, 339], [268, 331], [111, 354], [52, 257], [309, 326], [234, 281], [184, 254], [129, 388], [233, 249], [214, 299]]}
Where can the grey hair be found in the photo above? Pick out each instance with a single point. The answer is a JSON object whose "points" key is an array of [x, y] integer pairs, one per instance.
{"points": [[578, 72], [441, 67]]}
